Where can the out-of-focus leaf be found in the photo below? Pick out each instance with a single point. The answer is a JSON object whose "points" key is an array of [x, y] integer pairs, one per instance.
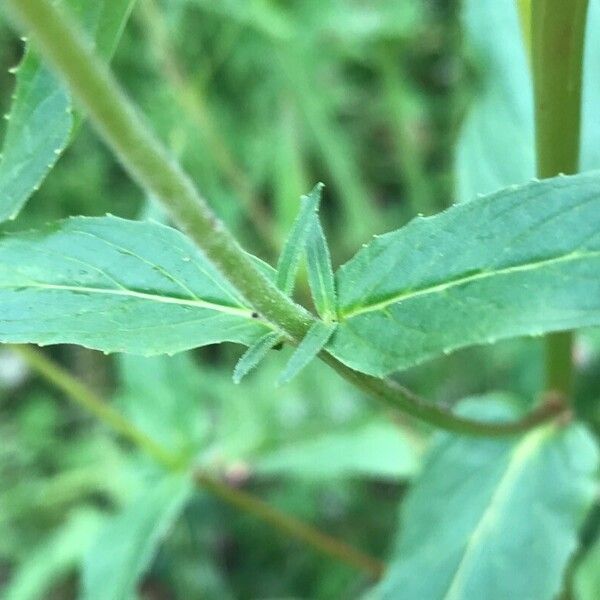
{"points": [[586, 581], [496, 147], [117, 285], [162, 396], [126, 545], [377, 449], [40, 119], [524, 261], [494, 519], [53, 559]]}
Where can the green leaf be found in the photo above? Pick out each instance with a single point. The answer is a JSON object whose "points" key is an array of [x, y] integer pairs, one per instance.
{"points": [[496, 144], [320, 273], [289, 261], [524, 261], [117, 286], [254, 355], [54, 559], [126, 545], [377, 449], [40, 118], [160, 396], [494, 519], [586, 581], [314, 341]]}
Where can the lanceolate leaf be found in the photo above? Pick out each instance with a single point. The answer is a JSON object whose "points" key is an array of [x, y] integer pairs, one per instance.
{"points": [[320, 273], [289, 261], [524, 261], [309, 347], [255, 353], [127, 544], [494, 519], [117, 285], [40, 120]]}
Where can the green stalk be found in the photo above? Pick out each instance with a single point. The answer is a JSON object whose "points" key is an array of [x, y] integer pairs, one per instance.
{"points": [[557, 40], [149, 163], [87, 399]]}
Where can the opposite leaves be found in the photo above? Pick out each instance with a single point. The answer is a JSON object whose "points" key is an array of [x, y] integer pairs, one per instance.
{"points": [[524, 261], [117, 285]]}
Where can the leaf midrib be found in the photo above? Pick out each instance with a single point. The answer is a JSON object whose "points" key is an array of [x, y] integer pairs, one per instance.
{"points": [[441, 287], [196, 303], [519, 458]]}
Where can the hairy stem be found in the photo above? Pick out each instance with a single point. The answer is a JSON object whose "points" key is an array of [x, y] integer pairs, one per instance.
{"points": [[87, 399], [557, 39], [193, 101], [149, 163]]}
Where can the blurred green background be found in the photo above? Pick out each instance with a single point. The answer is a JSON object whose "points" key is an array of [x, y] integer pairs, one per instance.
{"points": [[259, 100]]}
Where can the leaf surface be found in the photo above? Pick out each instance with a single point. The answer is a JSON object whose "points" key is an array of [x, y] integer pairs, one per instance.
{"points": [[524, 261], [320, 273], [117, 286], [126, 545], [254, 355], [289, 261], [40, 118], [314, 341], [494, 519]]}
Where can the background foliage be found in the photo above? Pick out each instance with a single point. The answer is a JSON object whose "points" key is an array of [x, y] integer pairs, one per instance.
{"points": [[260, 100]]}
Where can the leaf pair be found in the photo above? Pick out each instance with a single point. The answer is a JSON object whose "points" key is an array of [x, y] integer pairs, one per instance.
{"points": [[306, 238], [524, 261]]}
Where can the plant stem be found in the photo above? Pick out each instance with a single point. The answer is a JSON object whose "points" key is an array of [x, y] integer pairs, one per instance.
{"points": [[92, 403], [557, 39], [290, 525], [524, 7], [149, 163], [84, 397], [194, 103]]}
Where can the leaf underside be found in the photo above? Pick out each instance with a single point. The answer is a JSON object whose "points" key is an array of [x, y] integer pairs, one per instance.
{"points": [[524, 261], [117, 285]]}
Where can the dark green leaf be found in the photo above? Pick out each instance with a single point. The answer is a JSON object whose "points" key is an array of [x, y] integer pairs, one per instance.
{"points": [[494, 519], [117, 285], [524, 261]]}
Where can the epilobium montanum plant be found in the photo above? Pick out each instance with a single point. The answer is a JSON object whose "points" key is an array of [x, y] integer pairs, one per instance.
{"points": [[503, 493]]}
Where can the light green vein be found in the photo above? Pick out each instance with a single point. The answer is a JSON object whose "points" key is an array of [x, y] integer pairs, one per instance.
{"points": [[240, 312], [441, 287], [518, 462]]}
